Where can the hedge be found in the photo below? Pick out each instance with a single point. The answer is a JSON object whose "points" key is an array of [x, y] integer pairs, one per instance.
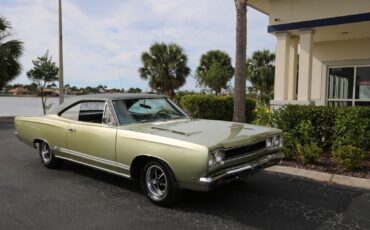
{"points": [[299, 121], [330, 128], [215, 107], [352, 127]]}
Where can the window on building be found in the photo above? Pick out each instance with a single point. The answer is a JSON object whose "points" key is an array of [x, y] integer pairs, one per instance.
{"points": [[349, 86]]}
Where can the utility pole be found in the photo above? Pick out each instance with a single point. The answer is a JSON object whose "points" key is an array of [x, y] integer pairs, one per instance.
{"points": [[61, 80]]}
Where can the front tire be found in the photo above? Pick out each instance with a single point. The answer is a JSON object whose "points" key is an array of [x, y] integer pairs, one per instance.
{"points": [[159, 184], [47, 156]]}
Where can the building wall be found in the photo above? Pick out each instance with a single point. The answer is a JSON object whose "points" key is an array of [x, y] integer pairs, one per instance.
{"points": [[345, 52], [287, 11]]}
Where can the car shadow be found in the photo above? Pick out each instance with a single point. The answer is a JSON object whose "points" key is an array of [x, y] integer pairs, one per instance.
{"points": [[265, 200]]}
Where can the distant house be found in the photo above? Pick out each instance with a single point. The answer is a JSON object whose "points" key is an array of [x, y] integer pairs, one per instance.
{"points": [[332, 40], [18, 91], [76, 92], [49, 92]]}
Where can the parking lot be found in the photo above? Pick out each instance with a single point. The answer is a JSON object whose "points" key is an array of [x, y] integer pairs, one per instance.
{"points": [[77, 197]]}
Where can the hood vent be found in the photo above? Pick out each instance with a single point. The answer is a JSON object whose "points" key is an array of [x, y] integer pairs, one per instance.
{"points": [[170, 131]]}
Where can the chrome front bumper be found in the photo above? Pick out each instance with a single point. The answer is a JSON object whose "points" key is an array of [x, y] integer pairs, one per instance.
{"points": [[208, 183]]}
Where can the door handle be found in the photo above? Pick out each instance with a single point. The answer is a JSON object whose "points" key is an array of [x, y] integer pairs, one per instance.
{"points": [[72, 130]]}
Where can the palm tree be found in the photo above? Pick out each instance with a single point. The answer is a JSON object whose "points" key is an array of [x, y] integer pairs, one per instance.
{"points": [[214, 70], [240, 60], [165, 67], [261, 71], [10, 53]]}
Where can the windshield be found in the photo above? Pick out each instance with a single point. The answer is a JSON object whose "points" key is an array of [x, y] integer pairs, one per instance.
{"points": [[131, 111]]}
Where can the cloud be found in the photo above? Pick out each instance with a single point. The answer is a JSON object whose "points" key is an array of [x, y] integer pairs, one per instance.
{"points": [[103, 42]]}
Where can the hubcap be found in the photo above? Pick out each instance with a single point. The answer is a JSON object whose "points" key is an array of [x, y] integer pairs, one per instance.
{"points": [[45, 153], [156, 182]]}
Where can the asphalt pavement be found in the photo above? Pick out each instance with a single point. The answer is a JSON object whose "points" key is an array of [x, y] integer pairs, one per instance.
{"points": [[78, 197]]}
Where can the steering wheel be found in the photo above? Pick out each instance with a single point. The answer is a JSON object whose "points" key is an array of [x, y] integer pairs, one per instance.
{"points": [[162, 111]]}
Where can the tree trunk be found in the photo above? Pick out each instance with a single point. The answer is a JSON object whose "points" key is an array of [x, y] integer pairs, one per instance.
{"points": [[42, 100], [240, 60]]}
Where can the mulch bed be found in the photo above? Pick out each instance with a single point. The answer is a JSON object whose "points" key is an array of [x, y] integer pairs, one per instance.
{"points": [[326, 164]]}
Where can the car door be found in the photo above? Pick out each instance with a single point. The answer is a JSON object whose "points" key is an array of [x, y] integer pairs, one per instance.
{"points": [[89, 139]]}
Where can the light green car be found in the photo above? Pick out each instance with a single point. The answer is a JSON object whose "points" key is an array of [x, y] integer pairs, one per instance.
{"points": [[148, 138]]}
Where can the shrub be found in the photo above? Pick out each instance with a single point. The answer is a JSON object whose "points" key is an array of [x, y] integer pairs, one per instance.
{"points": [[321, 119], [349, 156], [308, 153], [352, 127], [308, 129], [262, 116], [180, 94], [214, 107]]}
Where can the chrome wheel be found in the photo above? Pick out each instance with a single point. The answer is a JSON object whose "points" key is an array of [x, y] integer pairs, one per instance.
{"points": [[45, 153], [156, 182]]}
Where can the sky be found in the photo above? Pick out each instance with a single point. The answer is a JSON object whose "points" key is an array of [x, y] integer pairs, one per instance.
{"points": [[103, 39]]}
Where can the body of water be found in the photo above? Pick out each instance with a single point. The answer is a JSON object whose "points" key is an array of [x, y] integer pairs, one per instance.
{"points": [[15, 106]]}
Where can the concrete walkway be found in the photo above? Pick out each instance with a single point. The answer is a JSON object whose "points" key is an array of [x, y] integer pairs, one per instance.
{"points": [[323, 177]]}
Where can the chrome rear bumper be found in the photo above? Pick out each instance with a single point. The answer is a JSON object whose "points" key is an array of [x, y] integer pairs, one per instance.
{"points": [[208, 183]]}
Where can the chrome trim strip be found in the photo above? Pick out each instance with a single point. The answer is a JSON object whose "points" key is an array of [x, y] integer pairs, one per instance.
{"points": [[97, 159], [238, 170], [96, 167]]}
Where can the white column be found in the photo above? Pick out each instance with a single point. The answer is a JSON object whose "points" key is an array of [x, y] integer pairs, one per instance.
{"points": [[292, 71], [281, 66], [305, 65]]}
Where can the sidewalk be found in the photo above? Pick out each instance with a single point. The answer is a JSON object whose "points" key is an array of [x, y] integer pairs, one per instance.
{"points": [[322, 176]]}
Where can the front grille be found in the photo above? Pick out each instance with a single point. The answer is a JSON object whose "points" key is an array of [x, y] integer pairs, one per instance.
{"points": [[244, 150]]}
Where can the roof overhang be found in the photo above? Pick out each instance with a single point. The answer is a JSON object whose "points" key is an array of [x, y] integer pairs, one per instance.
{"points": [[260, 5], [333, 21]]}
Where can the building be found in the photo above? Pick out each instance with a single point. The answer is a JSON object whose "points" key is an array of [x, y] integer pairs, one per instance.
{"points": [[18, 91], [48, 91], [322, 51]]}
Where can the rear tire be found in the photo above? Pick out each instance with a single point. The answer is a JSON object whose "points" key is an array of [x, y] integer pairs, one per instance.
{"points": [[47, 156], [159, 184]]}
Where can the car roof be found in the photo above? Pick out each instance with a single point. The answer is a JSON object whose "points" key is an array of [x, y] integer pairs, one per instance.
{"points": [[101, 97]]}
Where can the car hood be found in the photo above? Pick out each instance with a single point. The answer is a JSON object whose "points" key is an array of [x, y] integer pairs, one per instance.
{"points": [[210, 133]]}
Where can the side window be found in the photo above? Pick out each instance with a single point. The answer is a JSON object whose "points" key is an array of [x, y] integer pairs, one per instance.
{"points": [[72, 113], [91, 111]]}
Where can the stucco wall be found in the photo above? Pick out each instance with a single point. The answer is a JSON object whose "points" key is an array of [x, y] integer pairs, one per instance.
{"points": [[302, 10], [345, 52]]}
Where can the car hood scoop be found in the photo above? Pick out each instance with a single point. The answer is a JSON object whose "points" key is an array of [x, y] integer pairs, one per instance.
{"points": [[173, 131]]}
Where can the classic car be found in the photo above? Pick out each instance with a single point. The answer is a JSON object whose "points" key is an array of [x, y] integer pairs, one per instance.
{"points": [[148, 138]]}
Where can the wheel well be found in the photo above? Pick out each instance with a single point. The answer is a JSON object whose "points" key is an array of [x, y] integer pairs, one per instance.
{"points": [[139, 162], [36, 142]]}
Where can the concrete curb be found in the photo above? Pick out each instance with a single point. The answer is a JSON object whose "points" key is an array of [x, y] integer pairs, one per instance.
{"points": [[323, 177], [7, 119]]}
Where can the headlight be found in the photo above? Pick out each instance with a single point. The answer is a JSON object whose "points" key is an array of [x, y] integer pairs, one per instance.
{"points": [[211, 160], [216, 158], [281, 141], [219, 156], [269, 142], [274, 141]]}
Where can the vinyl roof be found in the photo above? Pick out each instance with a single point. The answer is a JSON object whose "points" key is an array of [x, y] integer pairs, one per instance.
{"points": [[101, 97]]}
